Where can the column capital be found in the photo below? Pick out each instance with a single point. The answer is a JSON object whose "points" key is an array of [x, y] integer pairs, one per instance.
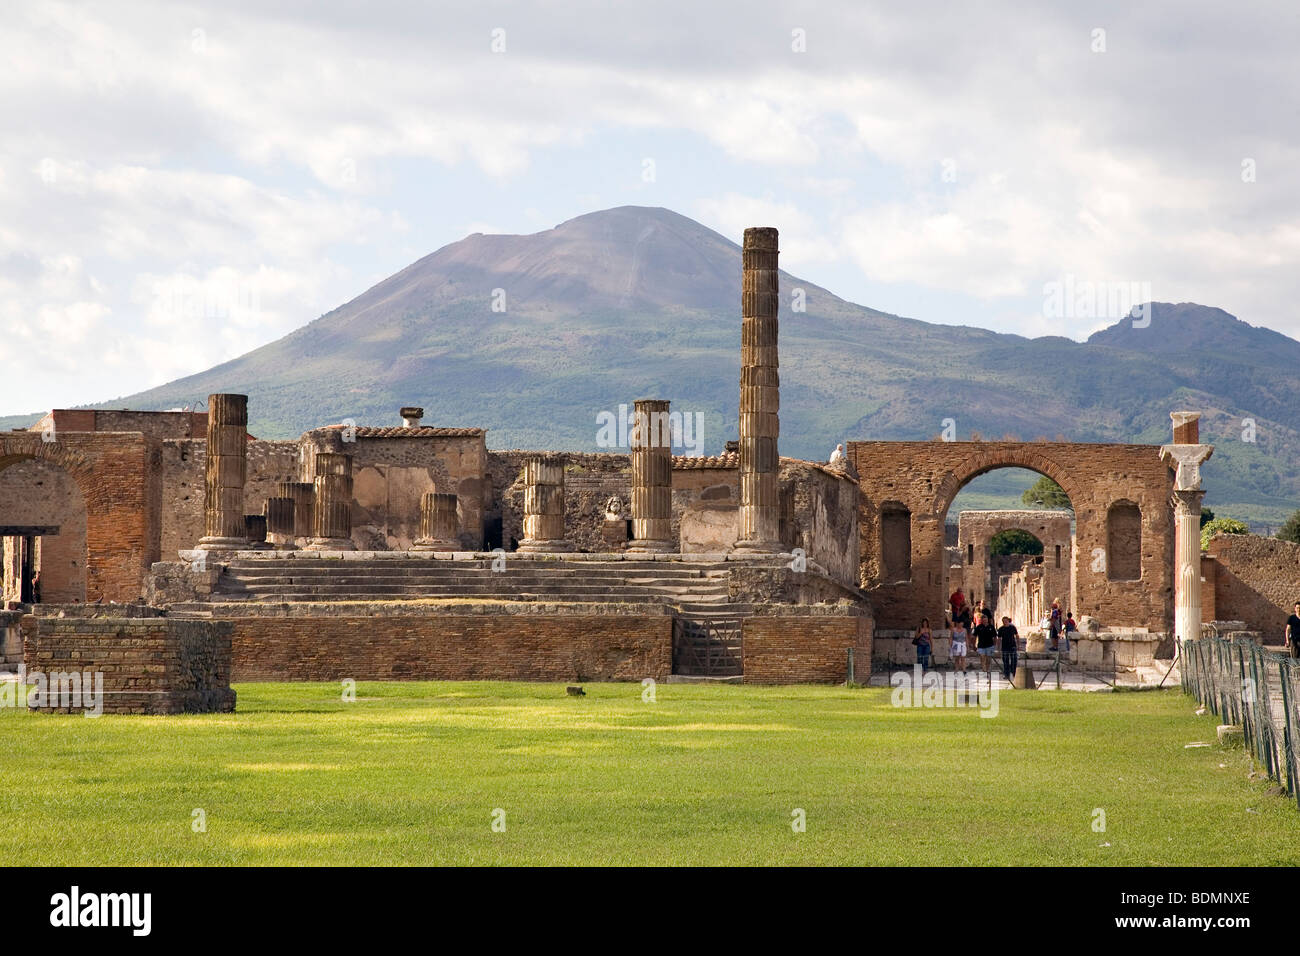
{"points": [[1186, 460]]}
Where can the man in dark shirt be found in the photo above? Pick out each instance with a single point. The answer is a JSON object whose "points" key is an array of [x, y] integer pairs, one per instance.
{"points": [[1008, 639], [986, 639], [1293, 631]]}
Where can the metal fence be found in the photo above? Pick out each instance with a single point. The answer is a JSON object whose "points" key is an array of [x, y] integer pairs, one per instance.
{"points": [[1245, 684]]}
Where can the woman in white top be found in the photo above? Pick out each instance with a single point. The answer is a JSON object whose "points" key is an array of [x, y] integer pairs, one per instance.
{"points": [[958, 652]]}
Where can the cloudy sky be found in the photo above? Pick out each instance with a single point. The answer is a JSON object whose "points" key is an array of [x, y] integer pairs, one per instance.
{"points": [[180, 183]]}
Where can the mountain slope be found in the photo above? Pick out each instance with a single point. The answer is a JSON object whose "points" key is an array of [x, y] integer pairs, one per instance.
{"points": [[642, 302]]}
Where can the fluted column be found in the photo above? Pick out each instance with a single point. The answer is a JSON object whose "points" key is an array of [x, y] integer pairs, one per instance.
{"points": [[333, 511], [439, 525], [279, 515], [652, 477], [760, 507], [255, 531], [226, 471], [544, 506], [303, 494], [1185, 456]]}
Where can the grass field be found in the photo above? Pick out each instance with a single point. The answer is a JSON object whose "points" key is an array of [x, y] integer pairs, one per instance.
{"points": [[411, 773]]}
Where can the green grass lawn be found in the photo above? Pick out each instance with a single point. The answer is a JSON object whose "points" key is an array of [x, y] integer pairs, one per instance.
{"points": [[411, 773]]}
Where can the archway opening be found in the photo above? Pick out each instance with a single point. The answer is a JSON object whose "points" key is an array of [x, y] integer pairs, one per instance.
{"points": [[1009, 536], [43, 530]]}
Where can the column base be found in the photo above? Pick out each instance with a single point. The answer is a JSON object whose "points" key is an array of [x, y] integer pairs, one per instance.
{"points": [[646, 546], [222, 544], [759, 547], [435, 544], [552, 546], [282, 542], [330, 544]]}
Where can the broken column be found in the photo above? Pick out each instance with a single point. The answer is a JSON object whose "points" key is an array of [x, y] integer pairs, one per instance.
{"points": [[652, 477], [760, 507], [226, 471], [255, 531], [1185, 456], [279, 515], [544, 506], [333, 511], [439, 526], [303, 494]]}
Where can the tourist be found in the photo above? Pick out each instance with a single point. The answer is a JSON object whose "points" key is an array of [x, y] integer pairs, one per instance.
{"points": [[1293, 631], [1070, 628], [986, 640], [957, 601], [1054, 624], [958, 652], [924, 643], [1008, 640], [36, 588]]}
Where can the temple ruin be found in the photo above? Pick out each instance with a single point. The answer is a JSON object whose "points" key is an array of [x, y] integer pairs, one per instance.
{"points": [[415, 551]]}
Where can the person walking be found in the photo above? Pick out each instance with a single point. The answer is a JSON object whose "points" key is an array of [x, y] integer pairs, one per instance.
{"points": [[1070, 628], [958, 652], [1009, 643], [1054, 624], [1293, 631], [957, 603], [986, 639], [924, 642]]}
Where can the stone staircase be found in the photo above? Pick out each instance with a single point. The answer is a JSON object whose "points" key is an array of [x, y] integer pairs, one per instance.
{"points": [[697, 591]]}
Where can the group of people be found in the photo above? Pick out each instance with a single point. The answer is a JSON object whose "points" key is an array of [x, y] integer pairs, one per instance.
{"points": [[969, 625]]}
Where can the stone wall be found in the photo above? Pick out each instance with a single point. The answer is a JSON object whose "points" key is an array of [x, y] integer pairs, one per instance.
{"points": [[922, 478], [808, 648], [1255, 580], [149, 666], [448, 646], [393, 467]]}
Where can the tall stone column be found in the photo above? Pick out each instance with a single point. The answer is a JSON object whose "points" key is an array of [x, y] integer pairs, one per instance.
{"points": [[333, 511], [439, 526], [544, 507], [652, 478], [279, 514], [303, 494], [226, 471], [1185, 456], [760, 507]]}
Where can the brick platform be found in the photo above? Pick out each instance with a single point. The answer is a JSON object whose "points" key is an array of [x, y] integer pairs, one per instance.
{"points": [[149, 665]]}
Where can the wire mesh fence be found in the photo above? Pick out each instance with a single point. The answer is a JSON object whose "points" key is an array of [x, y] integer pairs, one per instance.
{"points": [[1245, 684]]}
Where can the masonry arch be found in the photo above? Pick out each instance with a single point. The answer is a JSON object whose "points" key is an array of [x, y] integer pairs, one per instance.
{"points": [[925, 476], [981, 571]]}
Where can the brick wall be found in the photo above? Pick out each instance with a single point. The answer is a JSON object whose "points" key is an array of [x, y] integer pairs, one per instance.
{"points": [[1256, 580], [924, 477], [805, 649], [41, 493], [117, 474], [149, 666], [453, 647]]}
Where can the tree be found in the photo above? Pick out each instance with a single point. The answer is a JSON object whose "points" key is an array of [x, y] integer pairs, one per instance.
{"points": [[1206, 516], [1015, 541], [1222, 526], [1290, 530], [1045, 493]]}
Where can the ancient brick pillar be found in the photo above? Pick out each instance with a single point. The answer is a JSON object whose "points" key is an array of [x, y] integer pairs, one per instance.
{"points": [[544, 506], [279, 515], [333, 511], [1185, 456], [652, 477], [226, 471], [303, 494], [760, 507], [439, 525]]}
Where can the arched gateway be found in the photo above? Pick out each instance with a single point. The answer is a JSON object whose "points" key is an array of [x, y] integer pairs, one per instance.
{"points": [[1124, 538]]}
